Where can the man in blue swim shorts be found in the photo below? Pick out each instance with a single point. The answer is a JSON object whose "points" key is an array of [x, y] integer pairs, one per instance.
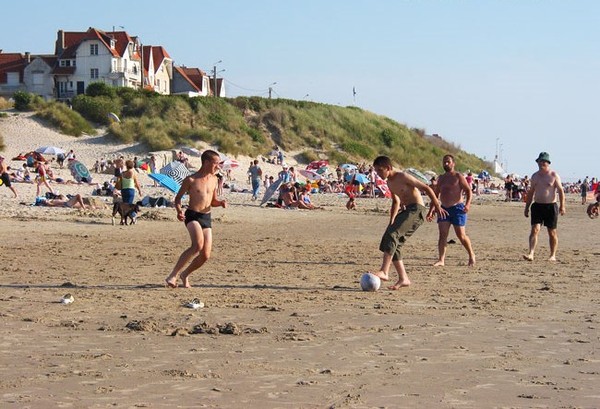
{"points": [[450, 188]]}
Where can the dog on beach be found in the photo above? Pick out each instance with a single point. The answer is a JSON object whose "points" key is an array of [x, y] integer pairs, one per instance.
{"points": [[126, 211]]}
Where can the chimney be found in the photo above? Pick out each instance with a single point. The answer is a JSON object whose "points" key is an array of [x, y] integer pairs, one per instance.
{"points": [[60, 43], [28, 56]]}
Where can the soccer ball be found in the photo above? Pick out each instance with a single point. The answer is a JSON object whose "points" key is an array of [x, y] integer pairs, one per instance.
{"points": [[370, 282]]}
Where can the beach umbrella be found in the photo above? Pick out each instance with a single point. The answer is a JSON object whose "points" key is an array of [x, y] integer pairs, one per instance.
{"points": [[49, 150], [166, 181], [176, 170], [310, 174], [229, 164], [359, 177], [348, 166], [191, 151], [418, 175], [113, 117], [317, 164], [79, 172]]}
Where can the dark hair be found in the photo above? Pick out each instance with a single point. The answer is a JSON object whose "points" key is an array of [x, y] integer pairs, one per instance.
{"points": [[383, 161], [449, 156], [208, 155]]}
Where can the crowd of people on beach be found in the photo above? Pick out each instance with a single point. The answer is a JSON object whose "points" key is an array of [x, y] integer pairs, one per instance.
{"points": [[449, 198]]}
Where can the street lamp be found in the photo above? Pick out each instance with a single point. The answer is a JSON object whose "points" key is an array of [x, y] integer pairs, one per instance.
{"points": [[271, 88], [306, 96], [215, 77]]}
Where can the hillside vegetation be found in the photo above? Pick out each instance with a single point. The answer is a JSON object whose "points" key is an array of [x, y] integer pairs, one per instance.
{"points": [[253, 125]]}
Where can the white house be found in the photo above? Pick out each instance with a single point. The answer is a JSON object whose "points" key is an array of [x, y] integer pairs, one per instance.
{"points": [[95, 56], [37, 75], [158, 69]]}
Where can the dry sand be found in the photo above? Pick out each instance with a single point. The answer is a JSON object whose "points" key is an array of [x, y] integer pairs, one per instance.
{"points": [[285, 324]]}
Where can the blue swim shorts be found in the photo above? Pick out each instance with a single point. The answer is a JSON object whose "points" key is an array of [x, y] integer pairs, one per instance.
{"points": [[456, 215]]}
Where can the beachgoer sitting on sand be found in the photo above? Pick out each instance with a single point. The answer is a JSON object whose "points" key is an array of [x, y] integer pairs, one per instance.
{"points": [[290, 201], [62, 201]]}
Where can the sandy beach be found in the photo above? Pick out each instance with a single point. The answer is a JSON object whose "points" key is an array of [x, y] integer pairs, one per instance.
{"points": [[285, 324]]}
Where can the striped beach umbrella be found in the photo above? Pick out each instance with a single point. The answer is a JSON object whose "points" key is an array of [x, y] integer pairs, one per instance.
{"points": [[177, 171]]}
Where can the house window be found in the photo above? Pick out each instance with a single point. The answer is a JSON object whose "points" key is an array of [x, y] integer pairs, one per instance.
{"points": [[94, 73], [93, 49], [38, 78]]}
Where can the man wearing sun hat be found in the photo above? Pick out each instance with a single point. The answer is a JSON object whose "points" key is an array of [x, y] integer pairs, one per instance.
{"points": [[545, 184]]}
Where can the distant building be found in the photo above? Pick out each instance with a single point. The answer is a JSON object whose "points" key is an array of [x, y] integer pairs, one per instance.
{"points": [[115, 58], [192, 82], [12, 66], [158, 69], [95, 56]]}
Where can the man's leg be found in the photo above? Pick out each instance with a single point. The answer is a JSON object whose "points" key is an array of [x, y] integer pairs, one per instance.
{"points": [[403, 280], [461, 234], [553, 237], [444, 228], [383, 272], [197, 242], [205, 250], [535, 229]]}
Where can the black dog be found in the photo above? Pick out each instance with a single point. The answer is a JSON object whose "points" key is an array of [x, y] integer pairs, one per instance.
{"points": [[125, 210]]}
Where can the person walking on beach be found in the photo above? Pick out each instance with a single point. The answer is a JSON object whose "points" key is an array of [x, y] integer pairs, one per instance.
{"points": [[450, 188], [255, 175], [129, 183], [201, 187], [545, 183], [406, 192], [42, 178], [5, 177]]}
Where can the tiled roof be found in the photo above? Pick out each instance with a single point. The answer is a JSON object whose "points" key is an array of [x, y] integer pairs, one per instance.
{"points": [[63, 70], [72, 41], [158, 55], [183, 72], [11, 62]]}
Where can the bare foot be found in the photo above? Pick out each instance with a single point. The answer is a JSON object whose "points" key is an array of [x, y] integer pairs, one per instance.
{"points": [[186, 282], [552, 258], [399, 285], [471, 262], [438, 263], [171, 283], [527, 257], [381, 274]]}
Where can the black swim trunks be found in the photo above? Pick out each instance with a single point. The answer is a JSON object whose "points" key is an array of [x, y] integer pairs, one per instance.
{"points": [[6, 179], [545, 214], [202, 218]]}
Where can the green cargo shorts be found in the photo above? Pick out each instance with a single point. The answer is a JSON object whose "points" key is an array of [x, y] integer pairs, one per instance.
{"points": [[404, 225]]}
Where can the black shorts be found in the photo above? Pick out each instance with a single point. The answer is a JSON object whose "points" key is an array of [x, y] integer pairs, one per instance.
{"points": [[6, 179], [202, 218], [545, 214]]}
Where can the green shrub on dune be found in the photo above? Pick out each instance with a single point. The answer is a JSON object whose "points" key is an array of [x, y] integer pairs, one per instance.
{"points": [[252, 125], [68, 121]]}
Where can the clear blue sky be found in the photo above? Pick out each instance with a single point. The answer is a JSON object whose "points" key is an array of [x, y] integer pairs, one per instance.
{"points": [[519, 76]]}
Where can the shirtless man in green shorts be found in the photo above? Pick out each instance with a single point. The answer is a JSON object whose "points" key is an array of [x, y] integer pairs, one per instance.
{"points": [[202, 188], [545, 184], [406, 192]]}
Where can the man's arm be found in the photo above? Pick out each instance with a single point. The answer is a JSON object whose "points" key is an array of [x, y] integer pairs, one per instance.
{"points": [[468, 192], [395, 207], [561, 195], [214, 202], [185, 186], [530, 194]]}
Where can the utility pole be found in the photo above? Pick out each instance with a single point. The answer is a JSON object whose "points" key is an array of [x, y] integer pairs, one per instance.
{"points": [[271, 89], [216, 93]]}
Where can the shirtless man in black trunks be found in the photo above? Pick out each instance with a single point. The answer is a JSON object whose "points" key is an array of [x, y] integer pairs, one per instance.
{"points": [[545, 184], [202, 188]]}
